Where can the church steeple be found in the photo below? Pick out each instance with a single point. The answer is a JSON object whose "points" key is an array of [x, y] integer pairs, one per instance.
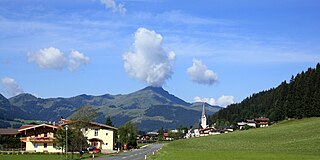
{"points": [[203, 117]]}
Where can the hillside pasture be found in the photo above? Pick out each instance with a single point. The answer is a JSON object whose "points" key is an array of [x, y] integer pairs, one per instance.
{"points": [[295, 139]]}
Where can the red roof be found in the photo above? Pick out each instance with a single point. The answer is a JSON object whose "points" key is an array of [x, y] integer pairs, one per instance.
{"points": [[40, 125], [25, 126], [262, 119]]}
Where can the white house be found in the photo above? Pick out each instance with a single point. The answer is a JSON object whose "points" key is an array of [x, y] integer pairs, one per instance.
{"points": [[40, 138]]}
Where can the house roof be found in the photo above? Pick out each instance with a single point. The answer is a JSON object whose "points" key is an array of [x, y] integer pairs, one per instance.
{"points": [[103, 125], [25, 126], [206, 129], [241, 123], [40, 125], [8, 131], [262, 119], [95, 124]]}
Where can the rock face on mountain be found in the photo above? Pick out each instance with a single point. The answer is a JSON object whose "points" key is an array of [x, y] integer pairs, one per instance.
{"points": [[151, 108]]}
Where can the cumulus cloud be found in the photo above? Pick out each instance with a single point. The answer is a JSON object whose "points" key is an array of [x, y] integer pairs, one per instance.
{"points": [[199, 73], [149, 62], [111, 4], [11, 86], [51, 58], [221, 101], [77, 59]]}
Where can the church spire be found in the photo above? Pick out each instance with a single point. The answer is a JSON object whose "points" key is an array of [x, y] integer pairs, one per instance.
{"points": [[203, 117], [203, 110]]}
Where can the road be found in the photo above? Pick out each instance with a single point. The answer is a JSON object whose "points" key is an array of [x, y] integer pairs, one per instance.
{"points": [[137, 154]]}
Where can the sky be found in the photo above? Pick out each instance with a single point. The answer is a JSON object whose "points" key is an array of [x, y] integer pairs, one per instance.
{"points": [[217, 51]]}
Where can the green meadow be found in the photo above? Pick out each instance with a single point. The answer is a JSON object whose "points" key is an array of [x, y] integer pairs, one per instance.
{"points": [[294, 139]]}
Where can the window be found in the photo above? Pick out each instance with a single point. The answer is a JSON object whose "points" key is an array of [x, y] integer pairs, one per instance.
{"points": [[45, 134], [36, 134], [45, 145], [35, 145], [106, 143], [95, 132], [86, 129], [106, 134]]}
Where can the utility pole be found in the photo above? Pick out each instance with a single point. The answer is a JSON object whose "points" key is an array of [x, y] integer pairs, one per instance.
{"points": [[66, 142]]}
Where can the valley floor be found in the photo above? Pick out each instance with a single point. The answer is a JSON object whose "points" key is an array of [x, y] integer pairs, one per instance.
{"points": [[296, 139]]}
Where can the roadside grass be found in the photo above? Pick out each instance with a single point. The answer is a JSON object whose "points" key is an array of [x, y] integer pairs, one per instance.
{"points": [[35, 156], [295, 139]]}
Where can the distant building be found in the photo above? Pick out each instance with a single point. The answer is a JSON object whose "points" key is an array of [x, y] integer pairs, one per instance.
{"points": [[9, 132], [262, 121], [257, 122], [100, 136], [201, 129], [203, 117], [252, 123]]}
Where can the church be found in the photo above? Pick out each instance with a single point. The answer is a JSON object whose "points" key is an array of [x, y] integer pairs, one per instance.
{"points": [[202, 128]]}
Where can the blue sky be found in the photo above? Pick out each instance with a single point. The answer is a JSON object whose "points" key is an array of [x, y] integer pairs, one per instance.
{"points": [[216, 51]]}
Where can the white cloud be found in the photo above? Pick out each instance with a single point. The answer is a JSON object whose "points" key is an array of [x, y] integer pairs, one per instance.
{"points": [[149, 62], [199, 73], [225, 100], [210, 101], [51, 58], [76, 59], [11, 86], [111, 4], [222, 101]]}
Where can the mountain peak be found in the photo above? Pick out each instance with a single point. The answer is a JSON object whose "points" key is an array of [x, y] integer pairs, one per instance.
{"points": [[155, 89], [25, 96], [166, 94]]}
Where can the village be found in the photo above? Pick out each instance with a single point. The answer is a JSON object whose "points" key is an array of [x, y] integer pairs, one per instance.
{"points": [[36, 137]]}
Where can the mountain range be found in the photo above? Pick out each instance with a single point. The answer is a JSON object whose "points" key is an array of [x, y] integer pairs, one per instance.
{"points": [[151, 108]]}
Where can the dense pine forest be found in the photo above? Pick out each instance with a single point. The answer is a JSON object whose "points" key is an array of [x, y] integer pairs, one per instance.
{"points": [[295, 99]]}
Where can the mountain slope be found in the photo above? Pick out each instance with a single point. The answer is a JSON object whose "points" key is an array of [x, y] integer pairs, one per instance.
{"points": [[297, 99], [151, 108], [8, 112]]}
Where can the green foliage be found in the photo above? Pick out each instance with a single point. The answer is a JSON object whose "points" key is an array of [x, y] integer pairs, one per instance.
{"points": [[7, 143], [60, 137], [128, 134], [109, 122], [297, 99], [84, 114], [294, 140], [180, 134], [161, 134], [76, 140]]}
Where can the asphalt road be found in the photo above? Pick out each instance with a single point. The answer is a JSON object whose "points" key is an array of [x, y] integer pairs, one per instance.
{"points": [[137, 154]]}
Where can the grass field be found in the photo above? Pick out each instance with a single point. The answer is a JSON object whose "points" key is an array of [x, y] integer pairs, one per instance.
{"points": [[294, 140]]}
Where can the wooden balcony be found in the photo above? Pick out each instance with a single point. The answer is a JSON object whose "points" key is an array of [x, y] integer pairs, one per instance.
{"points": [[42, 139]]}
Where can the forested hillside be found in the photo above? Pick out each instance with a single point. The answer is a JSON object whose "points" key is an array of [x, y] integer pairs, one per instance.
{"points": [[296, 99]]}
